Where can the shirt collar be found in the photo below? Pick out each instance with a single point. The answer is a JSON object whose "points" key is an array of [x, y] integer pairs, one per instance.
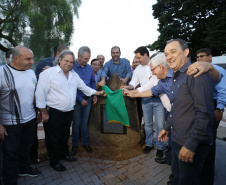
{"points": [[120, 61], [58, 68], [170, 73], [184, 67], [77, 64]]}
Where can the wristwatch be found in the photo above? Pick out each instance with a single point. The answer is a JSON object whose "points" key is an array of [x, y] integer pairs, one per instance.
{"points": [[220, 109]]}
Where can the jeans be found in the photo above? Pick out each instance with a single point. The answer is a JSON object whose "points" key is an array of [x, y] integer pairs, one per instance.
{"points": [[150, 106], [188, 173], [80, 122], [16, 150]]}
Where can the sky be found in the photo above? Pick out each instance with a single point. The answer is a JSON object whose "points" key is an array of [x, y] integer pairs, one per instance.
{"points": [[103, 24]]}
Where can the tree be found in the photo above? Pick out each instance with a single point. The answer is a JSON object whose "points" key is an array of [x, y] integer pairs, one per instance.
{"points": [[38, 24], [201, 23]]}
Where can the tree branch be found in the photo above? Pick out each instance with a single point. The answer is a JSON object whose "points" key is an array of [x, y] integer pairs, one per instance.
{"points": [[3, 48], [10, 39]]}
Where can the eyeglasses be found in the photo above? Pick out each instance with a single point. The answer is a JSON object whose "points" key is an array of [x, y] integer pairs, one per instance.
{"points": [[154, 68], [200, 56], [95, 64]]}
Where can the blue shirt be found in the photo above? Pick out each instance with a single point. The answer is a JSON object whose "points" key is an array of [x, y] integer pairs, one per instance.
{"points": [[98, 75], [164, 85], [86, 74], [220, 88], [43, 63], [192, 112], [122, 68]]}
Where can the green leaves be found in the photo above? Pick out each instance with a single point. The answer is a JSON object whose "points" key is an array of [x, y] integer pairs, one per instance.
{"points": [[38, 24], [201, 23]]}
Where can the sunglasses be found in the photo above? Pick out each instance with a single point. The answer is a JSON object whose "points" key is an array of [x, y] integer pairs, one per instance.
{"points": [[200, 56]]}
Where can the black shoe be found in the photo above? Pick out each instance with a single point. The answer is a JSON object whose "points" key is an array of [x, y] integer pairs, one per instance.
{"points": [[58, 167], [30, 172], [88, 149], [171, 177], [159, 153], [147, 149], [70, 158], [169, 183], [35, 161], [160, 160], [224, 138], [74, 150]]}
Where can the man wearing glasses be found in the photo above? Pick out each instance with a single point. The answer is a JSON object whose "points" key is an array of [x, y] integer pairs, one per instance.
{"points": [[205, 55]]}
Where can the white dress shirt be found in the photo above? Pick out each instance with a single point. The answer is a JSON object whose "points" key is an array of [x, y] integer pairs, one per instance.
{"points": [[141, 75], [55, 90]]}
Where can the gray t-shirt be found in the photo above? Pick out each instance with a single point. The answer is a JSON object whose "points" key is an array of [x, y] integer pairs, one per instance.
{"points": [[17, 90]]}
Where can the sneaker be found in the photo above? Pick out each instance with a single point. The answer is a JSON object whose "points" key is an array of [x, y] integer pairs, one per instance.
{"points": [[159, 153], [30, 172], [147, 149]]}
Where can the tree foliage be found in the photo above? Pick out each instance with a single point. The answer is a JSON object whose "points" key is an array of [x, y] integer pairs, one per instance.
{"points": [[201, 23], [38, 24]]}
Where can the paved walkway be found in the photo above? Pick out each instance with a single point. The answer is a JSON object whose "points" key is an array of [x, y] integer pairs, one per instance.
{"points": [[138, 170]]}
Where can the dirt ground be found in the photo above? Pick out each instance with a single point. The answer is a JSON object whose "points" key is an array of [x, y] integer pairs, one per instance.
{"points": [[99, 152]]}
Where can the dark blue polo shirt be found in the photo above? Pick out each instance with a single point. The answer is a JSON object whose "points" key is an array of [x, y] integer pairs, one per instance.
{"points": [[192, 112]]}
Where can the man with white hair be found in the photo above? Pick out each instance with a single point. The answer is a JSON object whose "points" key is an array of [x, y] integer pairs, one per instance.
{"points": [[160, 68]]}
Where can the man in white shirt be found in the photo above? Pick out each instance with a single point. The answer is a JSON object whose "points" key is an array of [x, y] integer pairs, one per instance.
{"points": [[56, 97], [150, 105], [17, 115]]}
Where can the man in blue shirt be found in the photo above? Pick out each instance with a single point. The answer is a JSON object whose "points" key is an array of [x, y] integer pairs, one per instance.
{"points": [[116, 65], [205, 55], [83, 102], [45, 63]]}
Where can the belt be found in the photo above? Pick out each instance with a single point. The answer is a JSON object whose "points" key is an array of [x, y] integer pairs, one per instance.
{"points": [[86, 97]]}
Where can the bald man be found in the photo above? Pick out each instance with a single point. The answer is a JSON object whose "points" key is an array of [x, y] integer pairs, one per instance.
{"points": [[17, 115]]}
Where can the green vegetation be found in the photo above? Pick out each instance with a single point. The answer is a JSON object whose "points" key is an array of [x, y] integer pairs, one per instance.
{"points": [[201, 23], [37, 24]]}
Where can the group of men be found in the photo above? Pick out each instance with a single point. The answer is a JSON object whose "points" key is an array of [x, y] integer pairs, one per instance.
{"points": [[63, 89], [51, 100], [192, 113]]}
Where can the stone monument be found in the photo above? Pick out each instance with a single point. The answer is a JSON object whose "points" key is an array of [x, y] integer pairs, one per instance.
{"points": [[114, 134]]}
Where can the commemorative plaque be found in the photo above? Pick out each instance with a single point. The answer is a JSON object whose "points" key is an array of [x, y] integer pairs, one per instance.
{"points": [[111, 128]]}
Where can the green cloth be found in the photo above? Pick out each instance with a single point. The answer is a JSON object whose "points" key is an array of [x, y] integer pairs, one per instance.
{"points": [[116, 107]]}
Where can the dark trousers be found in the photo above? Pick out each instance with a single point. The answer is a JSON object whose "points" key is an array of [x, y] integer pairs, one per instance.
{"points": [[34, 147], [16, 150], [57, 131], [0, 162], [207, 177], [188, 173], [168, 151]]}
